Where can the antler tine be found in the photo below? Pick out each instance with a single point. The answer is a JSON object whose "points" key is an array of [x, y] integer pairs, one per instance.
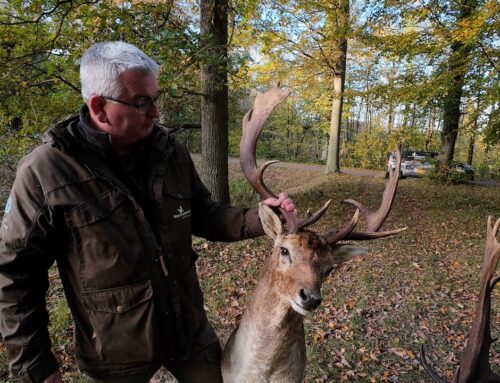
{"points": [[336, 235], [474, 364], [376, 219], [366, 236], [253, 122], [427, 367]]}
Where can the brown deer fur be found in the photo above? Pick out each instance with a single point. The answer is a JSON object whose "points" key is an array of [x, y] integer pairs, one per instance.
{"points": [[269, 344]]}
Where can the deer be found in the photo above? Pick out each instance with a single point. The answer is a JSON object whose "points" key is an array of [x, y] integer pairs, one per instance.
{"points": [[269, 343], [474, 366]]}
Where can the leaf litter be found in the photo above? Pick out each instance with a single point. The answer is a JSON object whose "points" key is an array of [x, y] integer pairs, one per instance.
{"points": [[418, 287]]}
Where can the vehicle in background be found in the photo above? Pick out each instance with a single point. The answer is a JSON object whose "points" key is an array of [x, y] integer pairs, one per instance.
{"points": [[413, 163], [418, 164], [462, 171]]}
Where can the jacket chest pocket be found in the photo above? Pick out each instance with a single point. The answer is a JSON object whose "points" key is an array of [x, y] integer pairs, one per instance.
{"points": [[107, 242]]}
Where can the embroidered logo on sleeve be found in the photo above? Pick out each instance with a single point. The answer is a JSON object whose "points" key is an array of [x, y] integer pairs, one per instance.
{"points": [[181, 213], [8, 208]]}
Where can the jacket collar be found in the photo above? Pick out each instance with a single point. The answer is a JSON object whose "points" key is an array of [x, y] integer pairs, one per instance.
{"points": [[94, 137], [76, 130]]}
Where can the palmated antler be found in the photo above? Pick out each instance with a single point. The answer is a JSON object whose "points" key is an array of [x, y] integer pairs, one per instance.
{"points": [[253, 122], [475, 365]]}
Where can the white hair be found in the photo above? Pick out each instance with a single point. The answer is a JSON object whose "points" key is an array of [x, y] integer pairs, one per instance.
{"points": [[102, 63]]}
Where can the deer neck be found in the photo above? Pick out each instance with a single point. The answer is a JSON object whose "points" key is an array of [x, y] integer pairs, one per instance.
{"points": [[269, 344], [268, 310], [273, 328]]}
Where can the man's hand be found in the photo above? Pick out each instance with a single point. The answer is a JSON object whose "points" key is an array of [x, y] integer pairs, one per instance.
{"points": [[282, 201], [54, 378]]}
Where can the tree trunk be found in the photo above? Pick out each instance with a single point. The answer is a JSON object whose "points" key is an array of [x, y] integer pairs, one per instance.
{"points": [[358, 118], [333, 159], [458, 64], [451, 118], [214, 103], [430, 128], [470, 153], [413, 115], [390, 119]]}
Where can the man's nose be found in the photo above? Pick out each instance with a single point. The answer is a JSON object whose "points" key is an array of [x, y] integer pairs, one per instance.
{"points": [[154, 111]]}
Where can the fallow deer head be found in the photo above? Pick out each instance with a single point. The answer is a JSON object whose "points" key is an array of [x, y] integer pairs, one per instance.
{"points": [[302, 258], [474, 365]]}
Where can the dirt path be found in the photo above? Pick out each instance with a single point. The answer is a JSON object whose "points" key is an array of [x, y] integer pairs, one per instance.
{"points": [[308, 167], [316, 168]]}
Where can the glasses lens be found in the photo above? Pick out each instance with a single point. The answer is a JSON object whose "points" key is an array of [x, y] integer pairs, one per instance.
{"points": [[147, 104]]}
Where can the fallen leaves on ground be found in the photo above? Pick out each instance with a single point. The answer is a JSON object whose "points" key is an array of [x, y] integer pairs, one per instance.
{"points": [[419, 287]]}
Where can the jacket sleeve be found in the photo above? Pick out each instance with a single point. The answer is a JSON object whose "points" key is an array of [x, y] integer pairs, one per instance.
{"points": [[26, 233], [217, 222]]}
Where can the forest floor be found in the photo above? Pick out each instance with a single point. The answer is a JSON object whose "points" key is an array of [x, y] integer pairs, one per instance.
{"points": [[418, 287]]}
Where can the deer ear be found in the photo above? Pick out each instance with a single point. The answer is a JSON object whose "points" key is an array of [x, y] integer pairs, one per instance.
{"points": [[343, 253], [271, 223]]}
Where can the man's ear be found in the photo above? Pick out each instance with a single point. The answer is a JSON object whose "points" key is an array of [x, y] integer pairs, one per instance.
{"points": [[271, 223], [96, 108], [343, 253]]}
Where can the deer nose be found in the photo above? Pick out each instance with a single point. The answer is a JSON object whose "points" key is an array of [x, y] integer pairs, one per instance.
{"points": [[309, 300]]}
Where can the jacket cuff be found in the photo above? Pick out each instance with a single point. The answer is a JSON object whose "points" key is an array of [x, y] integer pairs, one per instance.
{"points": [[40, 370], [253, 224]]}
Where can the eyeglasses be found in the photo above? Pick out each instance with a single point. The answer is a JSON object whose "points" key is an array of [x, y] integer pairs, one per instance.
{"points": [[143, 106]]}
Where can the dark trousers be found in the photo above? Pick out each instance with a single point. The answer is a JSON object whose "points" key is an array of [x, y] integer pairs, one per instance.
{"points": [[203, 366]]}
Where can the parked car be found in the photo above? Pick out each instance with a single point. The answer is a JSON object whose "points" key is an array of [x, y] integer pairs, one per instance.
{"points": [[462, 170], [413, 163], [419, 163]]}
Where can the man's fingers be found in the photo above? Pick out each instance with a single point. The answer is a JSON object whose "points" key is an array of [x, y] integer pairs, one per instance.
{"points": [[288, 205], [272, 202], [282, 201]]}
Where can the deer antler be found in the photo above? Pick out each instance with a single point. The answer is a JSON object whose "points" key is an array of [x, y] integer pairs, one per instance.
{"points": [[475, 365], [374, 219], [253, 122]]}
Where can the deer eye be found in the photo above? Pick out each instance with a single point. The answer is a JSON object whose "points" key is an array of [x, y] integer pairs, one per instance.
{"points": [[285, 254]]}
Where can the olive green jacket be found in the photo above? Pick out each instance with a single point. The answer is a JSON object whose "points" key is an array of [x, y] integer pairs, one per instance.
{"points": [[120, 232]]}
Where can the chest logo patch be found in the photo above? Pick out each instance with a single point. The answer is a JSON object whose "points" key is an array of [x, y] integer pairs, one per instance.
{"points": [[181, 213]]}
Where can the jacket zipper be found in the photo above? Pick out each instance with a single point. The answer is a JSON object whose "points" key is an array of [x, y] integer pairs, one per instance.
{"points": [[162, 261]]}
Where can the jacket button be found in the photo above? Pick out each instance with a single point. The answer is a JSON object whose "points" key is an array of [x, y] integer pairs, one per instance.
{"points": [[119, 309]]}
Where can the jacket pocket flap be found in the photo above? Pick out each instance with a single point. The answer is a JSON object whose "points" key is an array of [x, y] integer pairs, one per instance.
{"points": [[181, 187], [96, 209], [178, 192], [119, 299]]}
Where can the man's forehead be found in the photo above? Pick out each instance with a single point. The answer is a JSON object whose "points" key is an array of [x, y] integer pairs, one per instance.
{"points": [[139, 84]]}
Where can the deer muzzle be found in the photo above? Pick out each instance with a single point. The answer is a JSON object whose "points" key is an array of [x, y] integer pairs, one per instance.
{"points": [[309, 300]]}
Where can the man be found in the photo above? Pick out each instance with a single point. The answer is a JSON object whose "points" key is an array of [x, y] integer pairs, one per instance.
{"points": [[114, 199]]}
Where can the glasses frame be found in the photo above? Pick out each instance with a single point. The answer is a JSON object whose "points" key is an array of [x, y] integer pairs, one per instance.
{"points": [[141, 108]]}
